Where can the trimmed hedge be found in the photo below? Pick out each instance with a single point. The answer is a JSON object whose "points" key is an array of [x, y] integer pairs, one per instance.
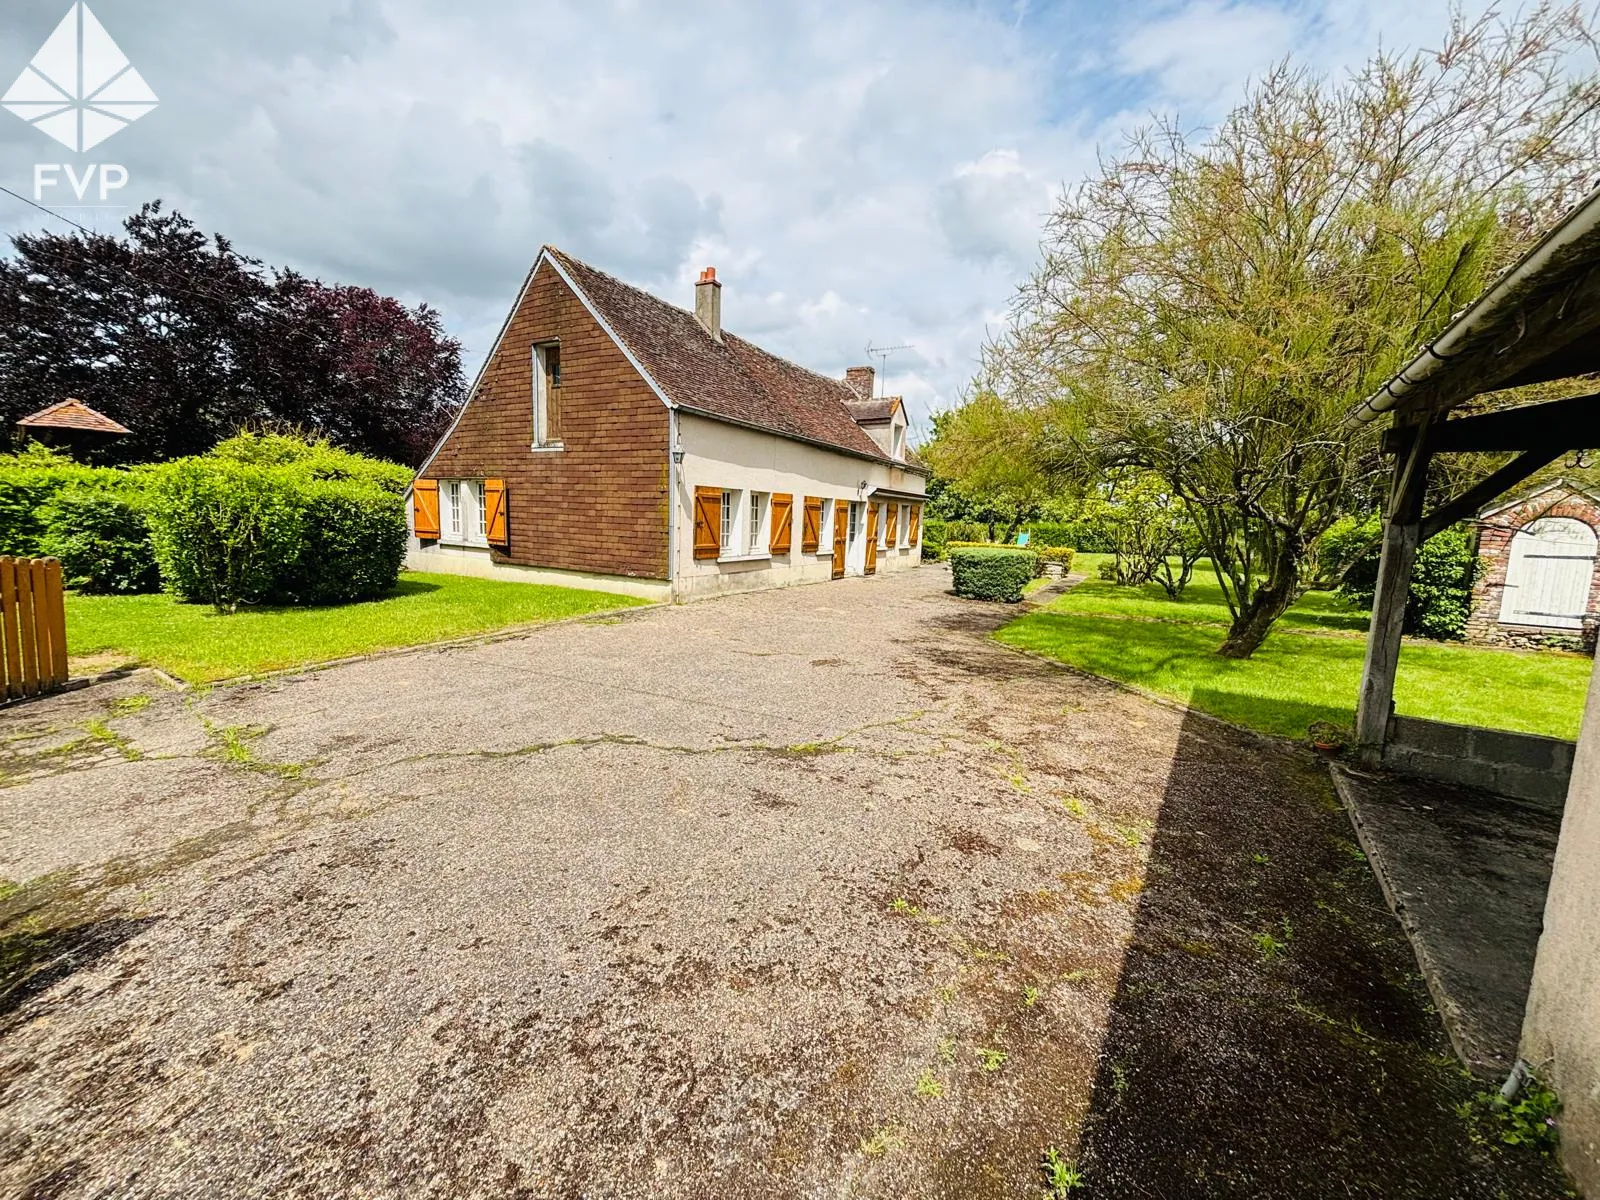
{"points": [[101, 534], [225, 532], [357, 526], [992, 572], [29, 482], [260, 519]]}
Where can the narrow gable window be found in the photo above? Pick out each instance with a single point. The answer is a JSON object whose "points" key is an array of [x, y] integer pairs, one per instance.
{"points": [[899, 441], [547, 395]]}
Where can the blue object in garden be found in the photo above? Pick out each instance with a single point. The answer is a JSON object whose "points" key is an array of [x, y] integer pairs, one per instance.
{"points": [[1022, 538]]}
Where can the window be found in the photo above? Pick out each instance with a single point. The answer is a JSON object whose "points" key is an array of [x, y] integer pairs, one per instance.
{"points": [[898, 441], [464, 512], [452, 516], [758, 511], [547, 395], [883, 526], [904, 525], [729, 499], [854, 529]]}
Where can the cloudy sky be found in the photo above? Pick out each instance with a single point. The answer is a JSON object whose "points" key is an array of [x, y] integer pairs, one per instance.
{"points": [[856, 171]]}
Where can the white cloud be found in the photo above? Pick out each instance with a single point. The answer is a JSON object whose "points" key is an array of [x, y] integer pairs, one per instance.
{"points": [[857, 171]]}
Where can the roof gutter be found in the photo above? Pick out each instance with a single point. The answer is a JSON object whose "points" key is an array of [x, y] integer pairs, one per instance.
{"points": [[1483, 311]]}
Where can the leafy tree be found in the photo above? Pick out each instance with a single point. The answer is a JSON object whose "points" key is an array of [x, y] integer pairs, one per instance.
{"points": [[185, 341], [1211, 309], [979, 454], [1148, 529]]}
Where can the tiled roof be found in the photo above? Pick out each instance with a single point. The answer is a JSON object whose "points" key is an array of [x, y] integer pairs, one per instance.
{"points": [[730, 380], [871, 411], [72, 414]]}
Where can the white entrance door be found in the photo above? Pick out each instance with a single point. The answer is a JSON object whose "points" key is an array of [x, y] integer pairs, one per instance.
{"points": [[1547, 579]]}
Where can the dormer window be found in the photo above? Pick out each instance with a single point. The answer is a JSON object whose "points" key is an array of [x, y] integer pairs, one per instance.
{"points": [[898, 441]]}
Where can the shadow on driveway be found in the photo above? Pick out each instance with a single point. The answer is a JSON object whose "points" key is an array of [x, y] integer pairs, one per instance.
{"points": [[1270, 1035]]}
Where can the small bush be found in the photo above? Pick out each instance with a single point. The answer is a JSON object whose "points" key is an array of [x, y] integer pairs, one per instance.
{"points": [[933, 540], [1062, 555], [353, 542], [992, 572], [102, 537], [225, 532]]}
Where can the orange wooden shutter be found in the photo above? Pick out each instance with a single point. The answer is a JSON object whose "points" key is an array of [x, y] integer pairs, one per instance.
{"points": [[782, 522], [494, 503], [707, 522], [811, 525], [891, 533], [872, 538], [916, 524], [425, 507]]}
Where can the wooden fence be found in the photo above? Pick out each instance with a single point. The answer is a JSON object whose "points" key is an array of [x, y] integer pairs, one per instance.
{"points": [[33, 626]]}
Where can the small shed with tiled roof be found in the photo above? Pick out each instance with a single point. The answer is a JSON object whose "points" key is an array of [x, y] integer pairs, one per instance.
{"points": [[633, 445], [71, 422]]}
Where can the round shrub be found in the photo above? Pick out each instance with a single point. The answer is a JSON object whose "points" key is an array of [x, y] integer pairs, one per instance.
{"points": [[101, 535], [353, 540], [225, 532], [992, 572]]}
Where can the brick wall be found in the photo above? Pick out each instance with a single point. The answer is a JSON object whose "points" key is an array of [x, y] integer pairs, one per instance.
{"points": [[599, 505], [1494, 548]]}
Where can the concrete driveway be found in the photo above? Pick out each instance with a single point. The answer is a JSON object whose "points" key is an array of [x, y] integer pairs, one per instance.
{"points": [[808, 893]]}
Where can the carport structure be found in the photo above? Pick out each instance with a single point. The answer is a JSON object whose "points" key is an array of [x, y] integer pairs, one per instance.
{"points": [[1538, 323]]}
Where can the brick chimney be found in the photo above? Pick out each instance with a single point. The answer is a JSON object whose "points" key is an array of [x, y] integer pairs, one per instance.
{"points": [[708, 302], [860, 380]]}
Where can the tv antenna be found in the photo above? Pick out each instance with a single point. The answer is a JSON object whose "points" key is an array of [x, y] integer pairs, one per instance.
{"points": [[883, 352]]}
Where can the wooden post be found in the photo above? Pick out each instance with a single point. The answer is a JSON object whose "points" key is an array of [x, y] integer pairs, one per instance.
{"points": [[1402, 534]]}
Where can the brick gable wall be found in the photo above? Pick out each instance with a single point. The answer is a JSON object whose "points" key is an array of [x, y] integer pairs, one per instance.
{"points": [[1494, 549], [600, 505]]}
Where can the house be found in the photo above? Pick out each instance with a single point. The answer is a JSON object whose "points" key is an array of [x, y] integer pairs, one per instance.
{"points": [[615, 441], [1541, 575]]}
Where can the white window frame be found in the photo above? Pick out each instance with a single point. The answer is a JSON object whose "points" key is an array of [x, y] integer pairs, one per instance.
{"points": [[757, 512], [463, 513], [541, 397], [903, 528], [897, 440], [729, 529], [883, 526]]}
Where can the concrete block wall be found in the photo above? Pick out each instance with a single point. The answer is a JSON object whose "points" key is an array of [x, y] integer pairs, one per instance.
{"points": [[1523, 766]]}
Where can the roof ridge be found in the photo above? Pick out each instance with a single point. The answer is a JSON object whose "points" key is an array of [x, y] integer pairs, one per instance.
{"points": [[726, 334], [727, 378]]}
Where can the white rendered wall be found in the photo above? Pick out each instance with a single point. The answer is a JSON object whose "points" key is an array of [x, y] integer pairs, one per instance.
{"points": [[727, 456]]}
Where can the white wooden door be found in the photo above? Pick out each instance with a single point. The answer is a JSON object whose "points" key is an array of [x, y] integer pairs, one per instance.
{"points": [[1547, 578]]}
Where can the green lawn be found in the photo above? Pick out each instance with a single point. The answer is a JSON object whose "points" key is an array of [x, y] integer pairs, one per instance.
{"points": [[194, 642], [1299, 675]]}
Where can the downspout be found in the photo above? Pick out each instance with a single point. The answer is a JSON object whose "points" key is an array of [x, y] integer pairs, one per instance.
{"points": [[1435, 356], [673, 451]]}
